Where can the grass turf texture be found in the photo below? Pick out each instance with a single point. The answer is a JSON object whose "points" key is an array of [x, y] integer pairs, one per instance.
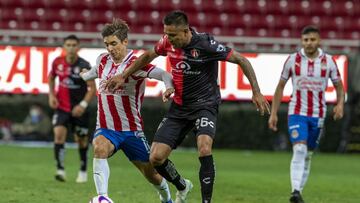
{"points": [[27, 176]]}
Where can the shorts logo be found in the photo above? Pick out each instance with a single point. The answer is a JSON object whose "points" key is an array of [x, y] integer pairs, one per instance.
{"points": [[294, 134]]}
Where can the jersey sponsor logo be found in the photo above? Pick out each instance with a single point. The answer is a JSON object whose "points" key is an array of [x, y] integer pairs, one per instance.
{"points": [[212, 42], [195, 53], [311, 84], [294, 133], [184, 67]]}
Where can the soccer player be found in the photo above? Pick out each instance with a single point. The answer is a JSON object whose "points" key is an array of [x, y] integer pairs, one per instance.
{"points": [[310, 68], [119, 123], [194, 60], [70, 103]]}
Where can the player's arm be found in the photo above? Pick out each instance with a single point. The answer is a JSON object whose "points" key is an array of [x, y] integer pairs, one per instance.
{"points": [[258, 99], [340, 99], [275, 104], [80, 108], [118, 80], [164, 76], [53, 102]]}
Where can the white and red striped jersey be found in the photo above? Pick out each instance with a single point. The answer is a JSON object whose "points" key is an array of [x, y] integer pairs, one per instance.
{"points": [[309, 80], [119, 111]]}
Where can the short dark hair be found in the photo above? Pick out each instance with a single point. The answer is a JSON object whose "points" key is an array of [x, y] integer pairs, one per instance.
{"points": [[176, 18], [118, 27], [309, 29], [72, 37]]}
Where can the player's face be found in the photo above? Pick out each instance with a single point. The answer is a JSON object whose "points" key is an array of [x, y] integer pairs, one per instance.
{"points": [[71, 47], [178, 36], [116, 47], [310, 42]]}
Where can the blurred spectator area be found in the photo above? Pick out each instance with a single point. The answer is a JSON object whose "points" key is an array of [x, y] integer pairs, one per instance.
{"points": [[257, 19]]}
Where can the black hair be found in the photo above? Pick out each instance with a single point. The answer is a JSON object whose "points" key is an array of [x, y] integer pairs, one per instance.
{"points": [[72, 37], [118, 27], [310, 29], [177, 18]]}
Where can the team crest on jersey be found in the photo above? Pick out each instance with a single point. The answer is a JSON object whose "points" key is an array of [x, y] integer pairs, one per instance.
{"points": [[77, 70], [195, 53], [294, 134]]}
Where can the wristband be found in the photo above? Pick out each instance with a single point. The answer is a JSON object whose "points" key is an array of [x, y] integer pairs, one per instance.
{"points": [[83, 104]]}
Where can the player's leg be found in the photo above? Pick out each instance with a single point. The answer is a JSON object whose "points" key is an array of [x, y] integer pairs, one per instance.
{"points": [[60, 120], [105, 143], [205, 130], [298, 130], [137, 149], [81, 134], [169, 135], [315, 132]]}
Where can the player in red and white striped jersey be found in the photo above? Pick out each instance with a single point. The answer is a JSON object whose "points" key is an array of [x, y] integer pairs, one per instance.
{"points": [[119, 123], [310, 68]]}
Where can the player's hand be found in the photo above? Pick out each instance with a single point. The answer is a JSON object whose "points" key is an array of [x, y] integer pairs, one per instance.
{"points": [[166, 95], [53, 102], [273, 122], [338, 111], [261, 103], [77, 111], [115, 83], [83, 71]]}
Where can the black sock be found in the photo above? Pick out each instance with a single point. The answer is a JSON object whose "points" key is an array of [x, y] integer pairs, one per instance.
{"points": [[168, 171], [59, 151], [207, 177], [83, 158]]}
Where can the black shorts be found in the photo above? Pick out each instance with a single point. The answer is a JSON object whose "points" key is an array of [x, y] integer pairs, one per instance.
{"points": [[179, 121], [77, 125]]}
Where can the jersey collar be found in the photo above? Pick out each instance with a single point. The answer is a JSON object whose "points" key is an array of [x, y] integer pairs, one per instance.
{"points": [[321, 53]]}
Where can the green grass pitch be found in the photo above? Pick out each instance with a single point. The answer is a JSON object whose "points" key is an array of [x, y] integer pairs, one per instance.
{"points": [[27, 176]]}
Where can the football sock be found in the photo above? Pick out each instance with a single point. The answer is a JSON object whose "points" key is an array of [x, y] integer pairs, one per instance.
{"points": [[101, 175], [59, 151], [169, 172], [207, 177], [163, 190], [297, 166], [306, 170], [83, 158]]}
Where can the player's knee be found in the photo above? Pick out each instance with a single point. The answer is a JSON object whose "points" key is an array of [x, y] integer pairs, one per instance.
{"points": [[204, 150], [300, 148], [156, 159], [100, 151]]}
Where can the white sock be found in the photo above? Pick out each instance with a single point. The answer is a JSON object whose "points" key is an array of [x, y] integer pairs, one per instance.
{"points": [[297, 166], [163, 190], [101, 173], [306, 170]]}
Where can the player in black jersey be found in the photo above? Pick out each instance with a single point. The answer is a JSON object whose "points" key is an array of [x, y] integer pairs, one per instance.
{"points": [[194, 60], [70, 102]]}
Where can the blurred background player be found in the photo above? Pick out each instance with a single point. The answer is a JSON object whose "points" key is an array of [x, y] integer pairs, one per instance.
{"points": [[70, 103], [119, 123], [194, 60], [310, 68]]}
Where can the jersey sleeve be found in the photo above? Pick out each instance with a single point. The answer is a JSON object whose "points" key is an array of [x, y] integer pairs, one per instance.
{"points": [[286, 71], [144, 72], [334, 71], [52, 72], [161, 45], [215, 50], [94, 70]]}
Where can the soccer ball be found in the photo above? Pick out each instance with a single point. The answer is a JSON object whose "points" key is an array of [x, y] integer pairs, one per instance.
{"points": [[101, 199]]}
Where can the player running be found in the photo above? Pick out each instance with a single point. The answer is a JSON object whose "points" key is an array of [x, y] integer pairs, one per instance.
{"points": [[119, 123]]}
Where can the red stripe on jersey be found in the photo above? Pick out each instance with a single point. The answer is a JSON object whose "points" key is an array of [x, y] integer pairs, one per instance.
{"points": [[284, 67], [298, 102], [310, 103], [321, 111], [128, 112], [102, 64], [298, 64], [323, 66], [310, 68], [114, 113], [178, 77], [102, 118], [337, 69], [137, 89]]}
